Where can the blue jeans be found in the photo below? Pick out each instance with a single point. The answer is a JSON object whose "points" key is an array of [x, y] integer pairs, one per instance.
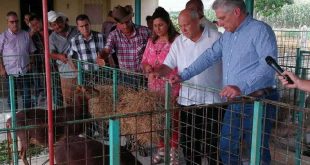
{"points": [[237, 127], [21, 84]]}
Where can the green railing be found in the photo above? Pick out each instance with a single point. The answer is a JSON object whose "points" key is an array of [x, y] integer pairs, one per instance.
{"points": [[117, 79]]}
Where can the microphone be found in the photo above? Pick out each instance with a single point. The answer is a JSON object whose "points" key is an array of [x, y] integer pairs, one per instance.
{"points": [[271, 62]]}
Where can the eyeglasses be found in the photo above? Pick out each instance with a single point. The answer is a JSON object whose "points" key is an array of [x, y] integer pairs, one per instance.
{"points": [[13, 21]]}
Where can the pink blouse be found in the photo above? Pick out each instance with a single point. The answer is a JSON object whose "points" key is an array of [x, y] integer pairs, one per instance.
{"points": [[154, 55]]}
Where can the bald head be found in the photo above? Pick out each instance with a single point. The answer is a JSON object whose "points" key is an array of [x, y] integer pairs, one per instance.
{"points": [[190, 24], [196, 5], [189, 13]]}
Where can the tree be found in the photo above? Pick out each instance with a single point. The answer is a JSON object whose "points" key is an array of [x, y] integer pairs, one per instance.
{"points": [[270, 7], [291, 16]]}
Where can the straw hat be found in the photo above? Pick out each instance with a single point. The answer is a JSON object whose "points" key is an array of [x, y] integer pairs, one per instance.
{"points": [[122, 14]]}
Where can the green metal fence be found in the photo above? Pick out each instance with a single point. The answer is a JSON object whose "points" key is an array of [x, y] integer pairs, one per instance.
{"points": [[293, 49], [126, 114]]}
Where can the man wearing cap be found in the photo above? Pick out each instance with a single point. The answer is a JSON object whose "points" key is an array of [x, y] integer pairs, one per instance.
{"points": [[15, 47], [59, 44], [128, 40]]}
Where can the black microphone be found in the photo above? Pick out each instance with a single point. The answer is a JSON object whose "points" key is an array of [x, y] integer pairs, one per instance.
{"points": [[271, 62]]}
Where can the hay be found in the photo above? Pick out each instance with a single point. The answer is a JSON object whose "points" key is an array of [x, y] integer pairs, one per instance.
{"points": [[146, 126], [102, 106]]}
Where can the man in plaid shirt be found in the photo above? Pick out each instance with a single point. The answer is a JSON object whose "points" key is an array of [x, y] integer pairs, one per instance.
{"points": [[86, 45], [127, 40]]}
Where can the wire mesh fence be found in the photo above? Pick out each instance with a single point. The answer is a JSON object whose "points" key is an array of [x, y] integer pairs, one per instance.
{"points": [[119, 119], [293, 47]]}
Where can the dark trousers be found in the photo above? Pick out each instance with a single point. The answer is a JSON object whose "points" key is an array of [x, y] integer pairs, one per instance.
{"points": [[38, 81], [200, 128], [21, 84], [38, 76]]}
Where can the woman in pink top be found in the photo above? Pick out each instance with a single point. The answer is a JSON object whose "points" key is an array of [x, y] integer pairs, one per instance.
{"points": [[154, 55]]}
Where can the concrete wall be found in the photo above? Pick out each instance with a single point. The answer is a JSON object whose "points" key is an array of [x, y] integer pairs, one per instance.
{"points": [[147, 8], [6, 6], [71, 8]]}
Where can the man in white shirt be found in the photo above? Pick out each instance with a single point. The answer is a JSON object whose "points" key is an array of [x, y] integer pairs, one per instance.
{"points": [[184, 50]]}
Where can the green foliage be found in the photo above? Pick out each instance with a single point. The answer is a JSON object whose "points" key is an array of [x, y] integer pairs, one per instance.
{"points": [[290, 16], [270, 7], [210, 15], [174, 19], [277, 13], [4, 157]]}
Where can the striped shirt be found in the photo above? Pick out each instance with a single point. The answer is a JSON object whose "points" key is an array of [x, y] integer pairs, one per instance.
{"points": [[129, 50], [243, 53], [15, 49], [86, 50]]}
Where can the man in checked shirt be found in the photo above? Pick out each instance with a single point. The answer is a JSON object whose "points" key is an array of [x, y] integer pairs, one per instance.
{"points": [[85, 46], [128, 40]]}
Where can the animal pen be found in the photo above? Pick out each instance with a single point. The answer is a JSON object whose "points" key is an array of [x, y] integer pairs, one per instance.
{"points": [[126, 121]]}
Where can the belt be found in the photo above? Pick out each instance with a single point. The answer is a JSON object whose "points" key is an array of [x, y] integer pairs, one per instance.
{"points": [[262, 92]]}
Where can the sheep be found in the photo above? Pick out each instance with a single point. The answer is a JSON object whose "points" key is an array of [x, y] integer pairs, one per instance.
{"points": [[39, 117], [75, 150]]}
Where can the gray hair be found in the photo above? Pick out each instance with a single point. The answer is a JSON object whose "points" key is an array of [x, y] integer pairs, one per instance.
{"points": [[229, 5], [11, 13]]}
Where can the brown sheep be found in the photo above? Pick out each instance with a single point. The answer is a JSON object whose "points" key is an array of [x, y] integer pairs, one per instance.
{"points": [[77, 150], [39, 117]]}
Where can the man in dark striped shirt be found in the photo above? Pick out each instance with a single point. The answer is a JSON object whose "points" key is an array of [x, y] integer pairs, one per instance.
{"points": [[86, 45]]}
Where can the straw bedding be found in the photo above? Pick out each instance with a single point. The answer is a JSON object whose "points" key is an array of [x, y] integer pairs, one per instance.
{"points": [[131, 101], [102, 106]]}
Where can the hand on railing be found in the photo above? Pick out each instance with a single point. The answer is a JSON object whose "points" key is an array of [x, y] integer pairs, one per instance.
{"points": [[100, 61], [29, 67], [147, 69], [153, 75], [230, 91], [3, 72], [63, 58], [175, 79]]}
